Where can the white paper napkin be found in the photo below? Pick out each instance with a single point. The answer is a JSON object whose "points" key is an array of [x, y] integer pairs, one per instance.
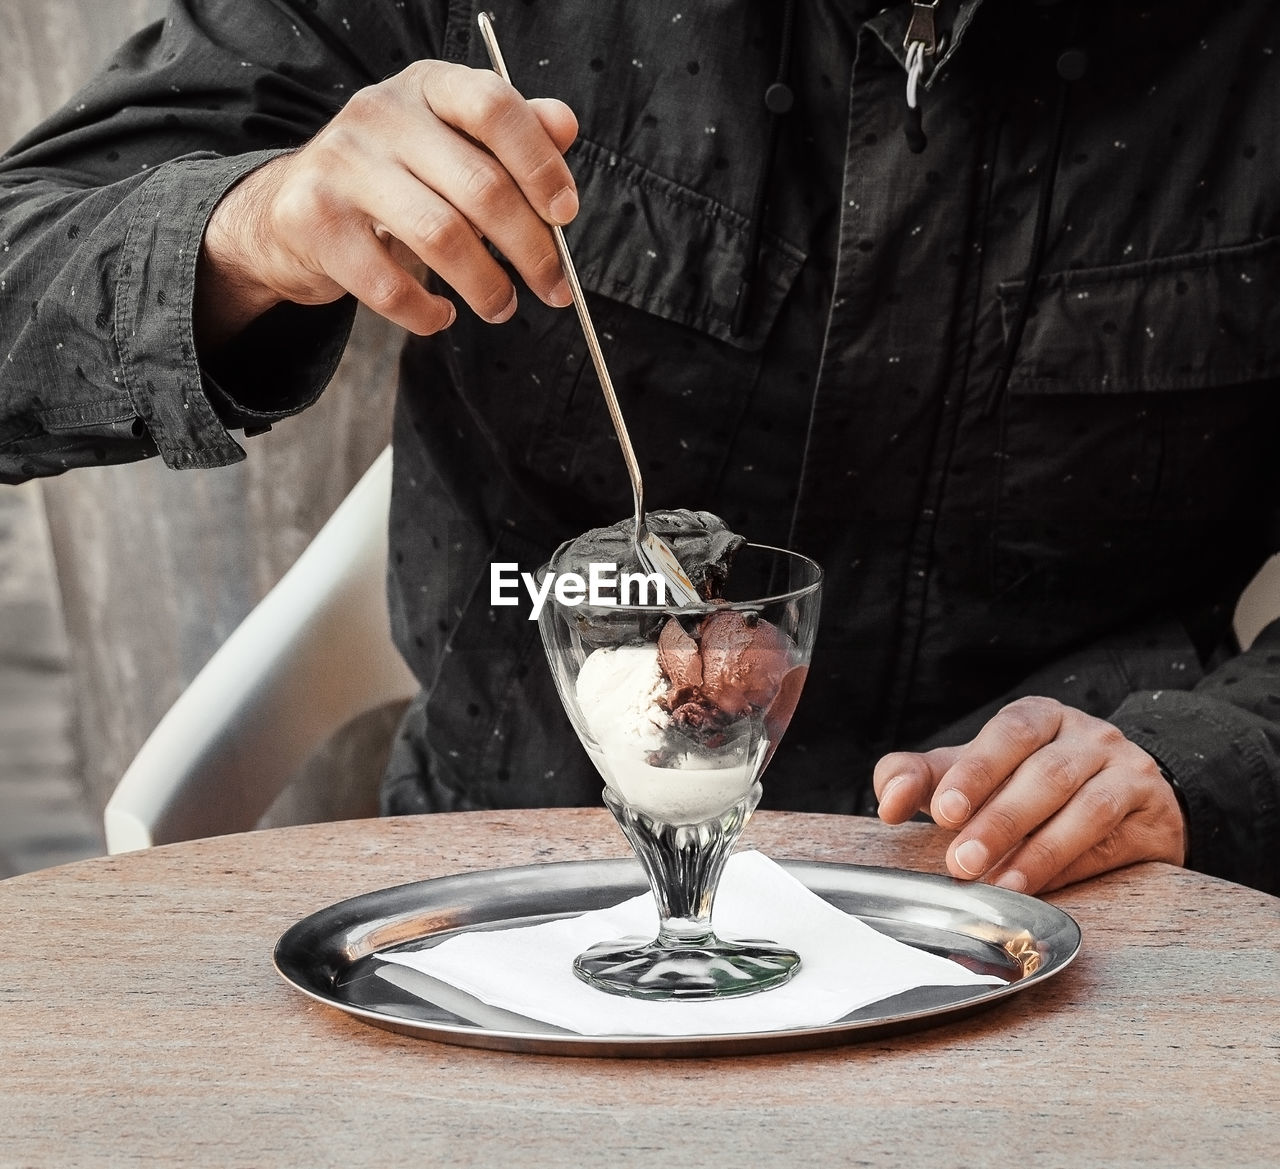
{"points": [[845, 964]]}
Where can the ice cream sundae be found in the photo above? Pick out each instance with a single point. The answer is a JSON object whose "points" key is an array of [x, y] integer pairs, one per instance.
{"points": [[680, 706]]}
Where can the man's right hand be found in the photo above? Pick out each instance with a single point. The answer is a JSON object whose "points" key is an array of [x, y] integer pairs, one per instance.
{"points": [[414, 173]]}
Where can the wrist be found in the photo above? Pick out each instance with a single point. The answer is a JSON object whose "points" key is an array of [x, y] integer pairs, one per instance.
{"points": [[230, 291], [1181, 797]]}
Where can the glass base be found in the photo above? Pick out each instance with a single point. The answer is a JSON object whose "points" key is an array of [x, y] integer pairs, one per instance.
{"points": [[686, 960], [716, 969]]}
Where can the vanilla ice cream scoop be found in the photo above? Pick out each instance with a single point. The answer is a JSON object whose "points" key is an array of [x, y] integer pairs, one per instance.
{"points": [[620, 693]]}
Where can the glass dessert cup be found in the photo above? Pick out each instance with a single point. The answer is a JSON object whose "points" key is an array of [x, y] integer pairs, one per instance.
{"points": [[680, 709]]}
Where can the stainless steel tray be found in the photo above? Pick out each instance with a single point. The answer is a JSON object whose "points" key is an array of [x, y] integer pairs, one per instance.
{"points": [[334, 955]]}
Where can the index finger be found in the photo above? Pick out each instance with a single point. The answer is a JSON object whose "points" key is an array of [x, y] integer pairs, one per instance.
{"points": [[526, 139], [1009, 737], [904, 781]]}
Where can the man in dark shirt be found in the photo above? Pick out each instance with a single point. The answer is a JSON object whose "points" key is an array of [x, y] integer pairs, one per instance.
{"points": [[1006, 363]]}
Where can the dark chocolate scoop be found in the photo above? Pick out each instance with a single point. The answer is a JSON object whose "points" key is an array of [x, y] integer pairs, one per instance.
{"points": [[701, 540]]}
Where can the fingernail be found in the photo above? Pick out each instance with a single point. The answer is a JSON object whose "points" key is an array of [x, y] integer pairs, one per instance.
{"points": [[953, 807], [888, 795], [563, 206], [894, 784], [560, 296], [972, 857], [506, 313], [1012, 880]]}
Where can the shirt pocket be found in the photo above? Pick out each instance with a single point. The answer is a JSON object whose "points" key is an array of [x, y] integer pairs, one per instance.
{"points": [[1137, 437], [661, 265]]}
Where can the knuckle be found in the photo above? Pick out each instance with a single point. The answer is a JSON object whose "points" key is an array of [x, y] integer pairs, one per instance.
{"points": [[494, 102], [1016, 725], [485, 186], [348, 135], [1003, 825], [368, 105], [1110, 735], [1025, 718], [439, 315], [893, 764], [1041, 857], [1056, 773], [1148, 771], [548, 171], [1140, 762], [442, 237], [1031, 711], [1036, 706], [976, 774], [546, 269], [425, 77], [493, 300], [487, 99], [388, 294], [1110, 852], [1104, 803]]}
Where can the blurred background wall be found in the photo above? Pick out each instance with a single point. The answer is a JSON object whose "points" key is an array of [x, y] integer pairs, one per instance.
{"points": [[156, 567]]}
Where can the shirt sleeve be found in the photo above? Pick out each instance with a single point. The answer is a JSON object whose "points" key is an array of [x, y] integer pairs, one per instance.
{"points": [[1219, 743], [102, 210]]}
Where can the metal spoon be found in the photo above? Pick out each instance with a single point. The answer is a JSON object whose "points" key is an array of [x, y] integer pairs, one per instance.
{"points": [[654, 554]]}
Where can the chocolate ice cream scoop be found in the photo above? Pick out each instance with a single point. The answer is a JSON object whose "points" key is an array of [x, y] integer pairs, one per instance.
{"points": [[735, 664], [744, 661], [681, 662]]}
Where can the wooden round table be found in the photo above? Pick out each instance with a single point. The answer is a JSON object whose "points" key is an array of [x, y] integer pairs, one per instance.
{"points": [[141, 1022]]}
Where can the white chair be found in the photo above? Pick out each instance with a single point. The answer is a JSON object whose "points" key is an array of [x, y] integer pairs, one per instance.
{"points": [[314, 654], [1259, 604]]}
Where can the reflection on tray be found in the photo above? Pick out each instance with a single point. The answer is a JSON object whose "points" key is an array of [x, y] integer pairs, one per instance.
{"points": [[462, 1007], [1024, 950]]}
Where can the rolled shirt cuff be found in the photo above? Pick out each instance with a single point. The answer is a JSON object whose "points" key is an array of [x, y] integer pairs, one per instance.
{"points": [[187, 409], [1219, 759]]}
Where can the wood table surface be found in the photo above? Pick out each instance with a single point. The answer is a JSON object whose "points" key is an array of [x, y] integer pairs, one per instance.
{"points": [[142, 1023]]}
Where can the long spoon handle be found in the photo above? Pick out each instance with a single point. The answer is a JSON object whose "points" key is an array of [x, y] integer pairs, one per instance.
{"points": [[485, 22]]}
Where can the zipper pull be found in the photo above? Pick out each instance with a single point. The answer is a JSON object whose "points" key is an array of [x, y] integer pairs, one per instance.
{"points": [[921, 42], [921, 30]]}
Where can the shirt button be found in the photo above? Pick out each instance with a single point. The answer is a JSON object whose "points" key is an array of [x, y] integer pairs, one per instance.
{"points": [[778, 98], [1073, 64]]}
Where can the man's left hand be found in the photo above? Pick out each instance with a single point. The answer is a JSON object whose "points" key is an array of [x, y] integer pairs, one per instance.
{"points": [[1042, 796]]}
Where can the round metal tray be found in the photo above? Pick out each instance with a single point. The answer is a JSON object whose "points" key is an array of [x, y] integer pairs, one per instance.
{"points": [[334, 955]]}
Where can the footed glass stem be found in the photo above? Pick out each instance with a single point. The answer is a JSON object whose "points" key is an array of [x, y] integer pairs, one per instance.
{"points": [[686, 960]]}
